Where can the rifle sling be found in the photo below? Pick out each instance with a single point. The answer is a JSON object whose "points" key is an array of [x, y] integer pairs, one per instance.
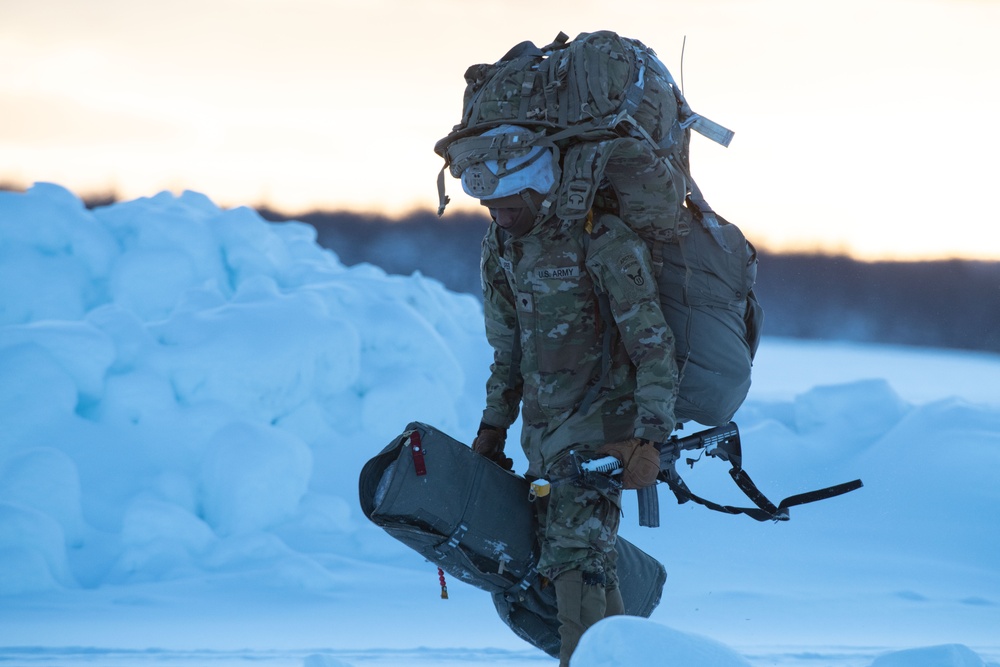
{"points": [[765, 510]]}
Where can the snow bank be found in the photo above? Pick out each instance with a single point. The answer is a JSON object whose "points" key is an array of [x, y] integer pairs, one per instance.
{"points": [[950, 655], [181, 381], [625, 641]]}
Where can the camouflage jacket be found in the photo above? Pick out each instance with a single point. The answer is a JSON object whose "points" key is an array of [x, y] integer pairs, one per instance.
{"points": [[542, 286]]}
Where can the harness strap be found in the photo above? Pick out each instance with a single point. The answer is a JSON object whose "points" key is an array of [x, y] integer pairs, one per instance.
{"points": [[517, 591], [453, 540]]}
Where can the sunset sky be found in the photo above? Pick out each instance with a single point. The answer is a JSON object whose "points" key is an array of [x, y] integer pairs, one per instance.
{"points": [[862, 126]]}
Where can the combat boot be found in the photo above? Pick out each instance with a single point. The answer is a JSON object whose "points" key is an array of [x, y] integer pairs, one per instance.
{"points": [[614, 605], [580, 603]]}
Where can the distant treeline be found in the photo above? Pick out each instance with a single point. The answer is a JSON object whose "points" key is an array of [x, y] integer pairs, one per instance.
{"points": [[953, 304]]}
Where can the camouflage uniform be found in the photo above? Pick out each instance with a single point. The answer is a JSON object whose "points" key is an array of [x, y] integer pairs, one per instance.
{"points": [[542, 286]]}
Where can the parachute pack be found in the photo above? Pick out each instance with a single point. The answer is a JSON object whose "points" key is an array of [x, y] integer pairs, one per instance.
{"points": [[423, 490], [620, 128]]}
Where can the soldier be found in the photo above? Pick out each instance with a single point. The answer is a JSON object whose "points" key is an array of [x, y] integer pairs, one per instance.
{"points": [[542, 277]]}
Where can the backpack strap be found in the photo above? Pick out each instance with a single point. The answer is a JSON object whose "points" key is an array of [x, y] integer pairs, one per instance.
{"points": [[709, 220], [703, 126]]}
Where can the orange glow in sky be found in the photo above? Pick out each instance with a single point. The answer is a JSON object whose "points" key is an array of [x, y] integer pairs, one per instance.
{"points": [[862, 126]]}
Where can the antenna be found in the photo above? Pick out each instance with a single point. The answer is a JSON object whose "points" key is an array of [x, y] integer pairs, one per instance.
{"points": [[683, 45]]}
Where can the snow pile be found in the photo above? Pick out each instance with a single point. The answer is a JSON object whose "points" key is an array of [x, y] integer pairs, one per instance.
{"points": [[624, 641], [188, 394], [182, 384], [951, 655]]}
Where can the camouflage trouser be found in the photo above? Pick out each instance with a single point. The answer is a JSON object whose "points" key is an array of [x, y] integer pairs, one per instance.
{"points": [[577, 530]]}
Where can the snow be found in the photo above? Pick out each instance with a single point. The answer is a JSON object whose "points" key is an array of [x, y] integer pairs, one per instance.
{"points": [[188, 395]]}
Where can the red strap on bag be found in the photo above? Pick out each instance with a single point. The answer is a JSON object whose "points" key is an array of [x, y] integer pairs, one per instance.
{"points": [[417, 449]]}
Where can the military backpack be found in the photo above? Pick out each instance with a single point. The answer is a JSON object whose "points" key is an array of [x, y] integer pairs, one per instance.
{"points": [[620, 128]]}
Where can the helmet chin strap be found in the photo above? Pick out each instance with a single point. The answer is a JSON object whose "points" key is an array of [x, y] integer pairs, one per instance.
{"points": [[529, 202], [541, 212]]}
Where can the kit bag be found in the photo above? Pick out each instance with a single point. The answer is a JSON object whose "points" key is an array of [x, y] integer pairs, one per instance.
{"points": [[475, 521]]}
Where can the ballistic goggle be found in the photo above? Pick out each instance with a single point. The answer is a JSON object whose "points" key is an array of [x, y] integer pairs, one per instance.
{"points": [[503, 161]]}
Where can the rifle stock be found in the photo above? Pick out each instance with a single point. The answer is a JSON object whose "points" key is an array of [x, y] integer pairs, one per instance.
{"points": [[722, 441]]}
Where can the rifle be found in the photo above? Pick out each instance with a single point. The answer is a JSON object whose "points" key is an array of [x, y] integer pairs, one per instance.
{"points": [[721, 442]]}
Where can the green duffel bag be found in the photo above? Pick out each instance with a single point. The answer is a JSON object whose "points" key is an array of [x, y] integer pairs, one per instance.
{"points": [[475, 521]]}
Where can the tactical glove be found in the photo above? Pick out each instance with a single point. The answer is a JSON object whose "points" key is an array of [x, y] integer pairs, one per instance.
{"points": [[640, 461], [489, 443]]}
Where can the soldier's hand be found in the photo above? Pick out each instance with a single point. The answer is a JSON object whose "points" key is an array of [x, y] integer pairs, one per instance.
{"points": [[640, 461], [489, 443]]}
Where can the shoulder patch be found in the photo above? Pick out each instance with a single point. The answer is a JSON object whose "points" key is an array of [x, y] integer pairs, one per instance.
{"points": [[632, 277]]}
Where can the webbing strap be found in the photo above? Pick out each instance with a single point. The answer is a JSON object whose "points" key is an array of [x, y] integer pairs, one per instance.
{"points": [[638, 88], [684, 494], [518, 589], [453, 540], [708, 218], [765, 510], [820, 494], [417, 452], [747, 486], [443, 198], [526, 87], [703, 126]]}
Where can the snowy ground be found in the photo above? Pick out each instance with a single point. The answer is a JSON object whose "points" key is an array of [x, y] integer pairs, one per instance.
{"points": [[188, 394]]}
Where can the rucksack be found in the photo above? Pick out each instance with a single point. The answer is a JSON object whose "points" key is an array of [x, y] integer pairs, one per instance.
{"points": [[423, 489], [621, 127]]}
